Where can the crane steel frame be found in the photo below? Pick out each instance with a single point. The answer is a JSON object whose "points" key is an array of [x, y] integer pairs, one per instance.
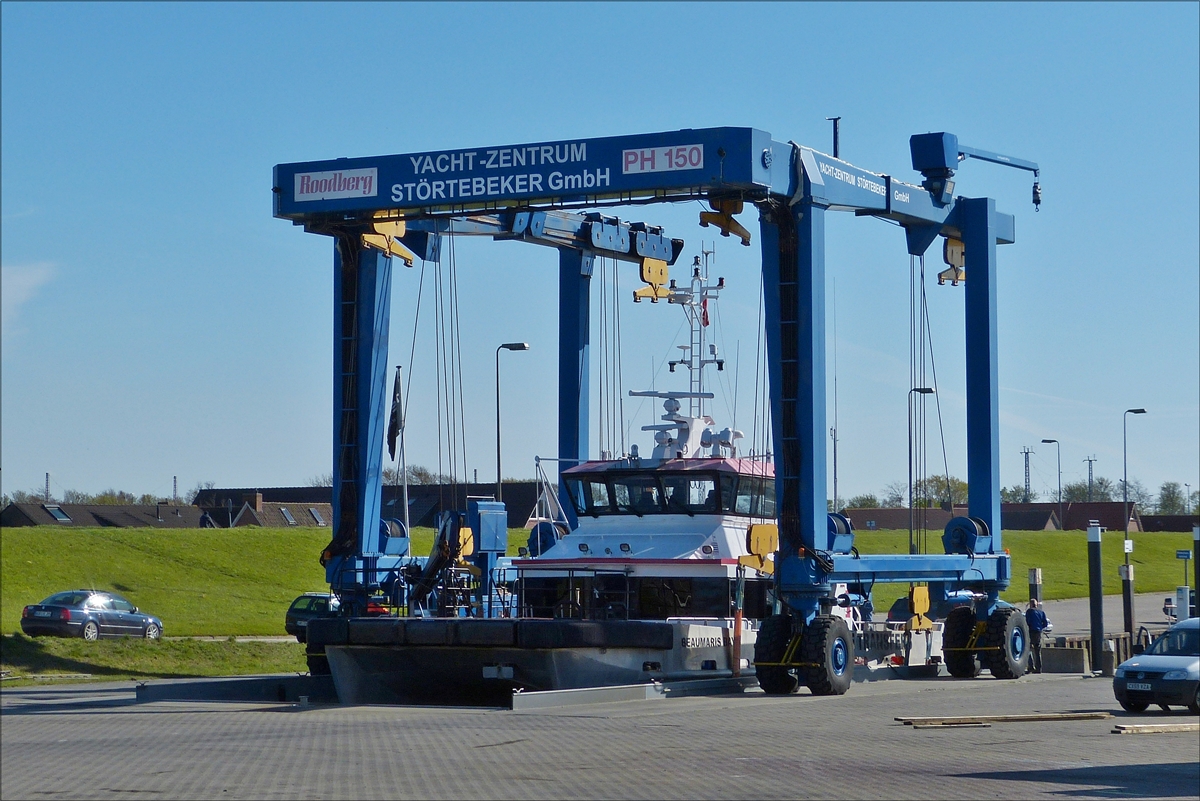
{"points": [[501, 191]]}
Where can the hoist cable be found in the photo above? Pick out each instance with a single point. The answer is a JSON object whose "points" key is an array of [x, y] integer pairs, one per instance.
{"points": [[620, 356], [757, 365], [938, 401], [456, 350], [413, 345]]}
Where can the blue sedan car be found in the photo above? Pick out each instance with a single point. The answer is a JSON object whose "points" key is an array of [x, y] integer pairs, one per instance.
{"points": [[88, 614], [1167, 674]]}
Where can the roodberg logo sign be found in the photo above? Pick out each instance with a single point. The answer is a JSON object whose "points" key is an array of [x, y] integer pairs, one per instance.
{"points": [[337, 184]]}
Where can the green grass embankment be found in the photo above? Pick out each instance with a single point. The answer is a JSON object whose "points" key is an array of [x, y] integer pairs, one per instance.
{"points": [[198, 581], [140, 659], [1062, 556], [221, 582]]}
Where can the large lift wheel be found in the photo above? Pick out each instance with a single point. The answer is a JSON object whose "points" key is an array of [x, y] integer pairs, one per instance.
{"points": [[827, 649], [1007, 643], [773, 637], [960, 624]]}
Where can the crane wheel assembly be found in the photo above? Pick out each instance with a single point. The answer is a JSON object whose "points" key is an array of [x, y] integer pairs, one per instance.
{"points": [[1004, 645], [961, 659], [770, 649], [827, 651]]}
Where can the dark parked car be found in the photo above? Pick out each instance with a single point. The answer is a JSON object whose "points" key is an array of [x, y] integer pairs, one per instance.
{"points": [[320, 604], [90, 615], [1167, 674], [305, 608]]}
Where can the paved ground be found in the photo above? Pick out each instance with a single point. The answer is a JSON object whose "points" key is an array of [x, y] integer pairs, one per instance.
{"points": [[95, 742]]}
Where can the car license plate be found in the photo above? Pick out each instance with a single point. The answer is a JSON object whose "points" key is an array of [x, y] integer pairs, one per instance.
{"points": [[1136, 685], [41, 614]]}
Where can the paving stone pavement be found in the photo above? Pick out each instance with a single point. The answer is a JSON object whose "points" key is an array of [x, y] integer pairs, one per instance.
{"points": [[95, 741]]}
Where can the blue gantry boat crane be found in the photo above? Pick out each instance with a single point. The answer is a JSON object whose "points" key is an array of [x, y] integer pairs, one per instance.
{"points": [[401, 206]]}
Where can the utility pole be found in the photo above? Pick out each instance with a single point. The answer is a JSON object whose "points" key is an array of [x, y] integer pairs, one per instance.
{"points": [[1090, 460], [1058, 449], [47, 488], [1026, 451]]}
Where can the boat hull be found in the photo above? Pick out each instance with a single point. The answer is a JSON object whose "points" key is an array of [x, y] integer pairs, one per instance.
{"points": [[424, 661]]}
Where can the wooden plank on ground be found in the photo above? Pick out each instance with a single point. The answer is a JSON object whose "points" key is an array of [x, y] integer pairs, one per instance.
{"points": [[1154, 728], [1040, 716]]}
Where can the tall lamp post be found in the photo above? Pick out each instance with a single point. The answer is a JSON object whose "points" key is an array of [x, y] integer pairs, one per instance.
{"points": [[1058, 448], [912, 547], [505, 346], [1127, 578]]}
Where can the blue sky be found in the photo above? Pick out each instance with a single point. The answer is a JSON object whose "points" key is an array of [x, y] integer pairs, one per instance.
{"points": [[158, 322]]}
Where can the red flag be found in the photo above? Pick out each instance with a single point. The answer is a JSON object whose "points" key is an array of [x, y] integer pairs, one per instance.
{"points": [[704, 312]]}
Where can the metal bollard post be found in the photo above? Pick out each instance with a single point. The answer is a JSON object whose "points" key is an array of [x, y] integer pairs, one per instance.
{"points": [[1196, 558], [1035, 584], [1095, 593]]}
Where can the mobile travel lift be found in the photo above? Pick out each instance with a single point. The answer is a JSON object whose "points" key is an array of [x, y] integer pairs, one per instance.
{"points": [[401, 206]]}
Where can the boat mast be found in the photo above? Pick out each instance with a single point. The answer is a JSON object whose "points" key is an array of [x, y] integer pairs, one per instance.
{"points": [[695, 301]]}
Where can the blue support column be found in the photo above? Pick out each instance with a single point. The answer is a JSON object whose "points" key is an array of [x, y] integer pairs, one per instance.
{"points": [[361, 317], [977, 216], [794, 288], [574, 367]]}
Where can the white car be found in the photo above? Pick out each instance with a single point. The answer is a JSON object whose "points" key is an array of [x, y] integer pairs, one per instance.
{"points": [[1167, 674]]}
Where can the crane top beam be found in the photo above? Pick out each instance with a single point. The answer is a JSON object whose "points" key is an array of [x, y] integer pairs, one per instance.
{"points": [[692, 163]]}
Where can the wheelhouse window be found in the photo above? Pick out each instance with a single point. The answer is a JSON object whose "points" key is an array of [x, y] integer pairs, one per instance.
{"points": [[673, 493], [590, 496], [639, 494], [690, 494], [755, 496]]}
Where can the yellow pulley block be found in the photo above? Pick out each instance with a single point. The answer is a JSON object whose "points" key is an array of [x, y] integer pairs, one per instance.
{"points": [[762, 540], [918, 604], [722, 217], [466, 541], [654, 273], [954, 254], [386, 238]]}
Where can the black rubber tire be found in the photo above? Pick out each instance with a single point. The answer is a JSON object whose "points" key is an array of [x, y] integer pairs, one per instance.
{"points": [[90, 631], [1008, 631], [960, 623], [773, 637], [1194, 706], [318, 665], [827, 641], [1135, 706]]}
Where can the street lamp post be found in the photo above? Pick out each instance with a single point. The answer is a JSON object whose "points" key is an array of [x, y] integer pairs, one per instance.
{"points": [[505, 346], [912, 548], [1058, 448], [1187, 500], [1127, 578]]}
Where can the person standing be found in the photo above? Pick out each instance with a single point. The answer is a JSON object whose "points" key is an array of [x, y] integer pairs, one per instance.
{"points": [[1037, 621]]}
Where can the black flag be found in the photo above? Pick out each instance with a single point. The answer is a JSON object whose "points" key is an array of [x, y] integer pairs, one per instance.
{"points": [[397, 417]]}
